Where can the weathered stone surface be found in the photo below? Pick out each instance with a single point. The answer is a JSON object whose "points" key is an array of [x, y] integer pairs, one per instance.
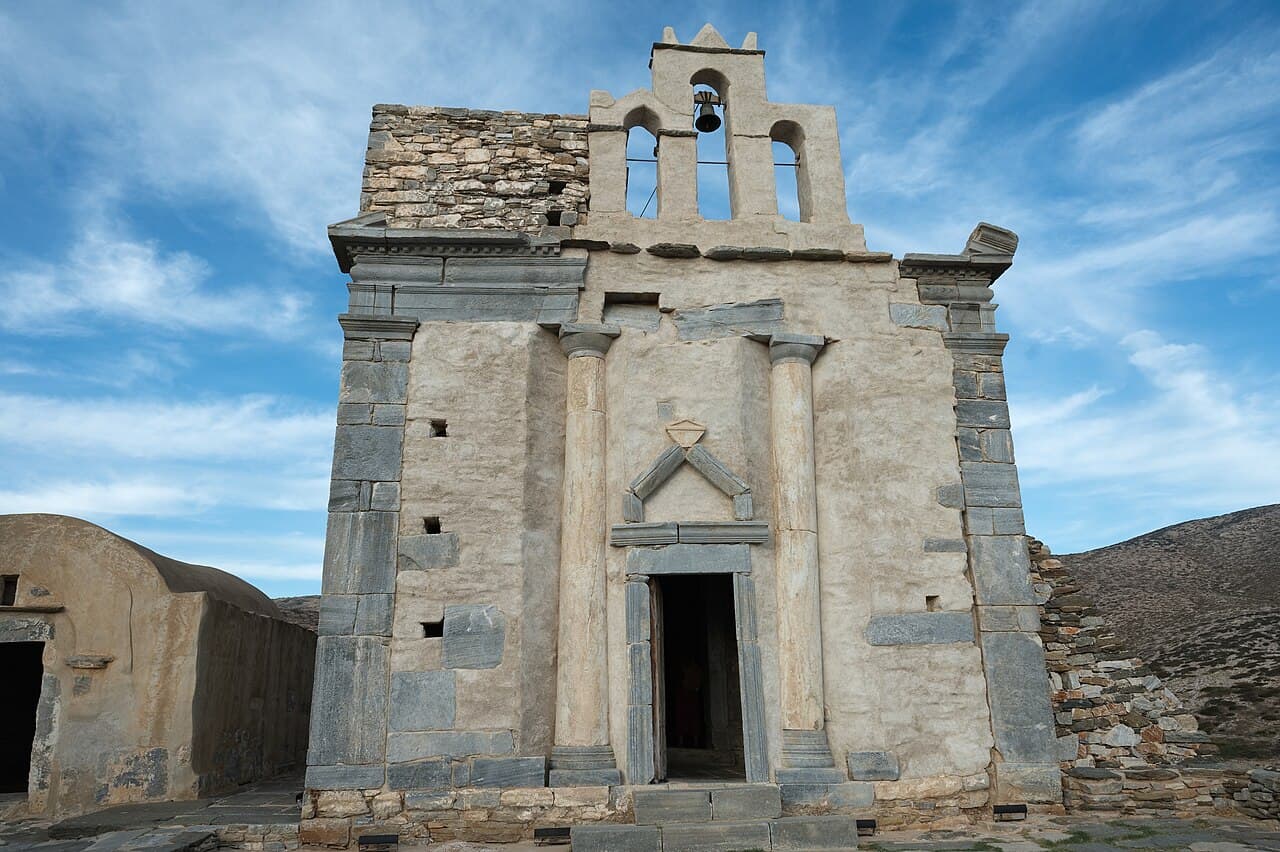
{"points": [[716, 836], [920, 628], [616, 838], [723, 532], [345, 777], [852, 794], [637, 611], [425, 551], [657, 472], [689, 559], [374, 382], [742, 508], [745, 802], [419, 775], [385, 497], [671, 805], [990, 484], [373, 615], [368, 452], [715, 471], [641, 679], [729, 320], [815, 832], [639, 764], [422, 701], [14, 628], [325, 832], [932, 317], [348, 706], [754, 723], [508, 772], [1001, 571], [338, 615], [402, 747], [1021, 717], [872, 765], [359, 553], [673, 250], [474, 636], [632, 508], [642, 534], [944, 545]]}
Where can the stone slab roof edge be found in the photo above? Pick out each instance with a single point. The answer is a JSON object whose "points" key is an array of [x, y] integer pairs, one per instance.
{"points": [[372, 228]]}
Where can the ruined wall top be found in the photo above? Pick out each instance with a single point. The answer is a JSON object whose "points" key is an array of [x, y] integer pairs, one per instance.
{"points": [[440, 167]]}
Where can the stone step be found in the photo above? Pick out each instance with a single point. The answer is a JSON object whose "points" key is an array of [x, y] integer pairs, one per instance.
{"points": [[685, 804], [783, 834]]}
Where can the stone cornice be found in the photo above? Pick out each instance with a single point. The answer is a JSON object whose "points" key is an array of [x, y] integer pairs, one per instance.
{"points": [[375, 327], [368, 236], [975, 343]]}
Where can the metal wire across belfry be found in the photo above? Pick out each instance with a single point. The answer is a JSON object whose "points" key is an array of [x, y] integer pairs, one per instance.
{"points": [[645, 209]]}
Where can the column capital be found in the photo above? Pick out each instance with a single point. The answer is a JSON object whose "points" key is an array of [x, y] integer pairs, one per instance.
{"points": [[587, 340], [786, 347]]}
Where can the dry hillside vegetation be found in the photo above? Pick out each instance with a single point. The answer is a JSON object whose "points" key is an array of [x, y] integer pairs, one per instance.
{"points": [[1200, 602]]}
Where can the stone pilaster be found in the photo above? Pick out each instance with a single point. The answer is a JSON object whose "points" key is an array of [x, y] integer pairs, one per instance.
{"points": [[349, 709], [805, 753], [582, 753], [1024, 762]]}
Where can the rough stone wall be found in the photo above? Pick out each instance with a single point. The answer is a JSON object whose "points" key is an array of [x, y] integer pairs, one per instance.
{"points": [[440, 167], [1257, 794], [1123, 736]]}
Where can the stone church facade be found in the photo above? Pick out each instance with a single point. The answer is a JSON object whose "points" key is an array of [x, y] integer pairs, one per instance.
{"points": [[626, 505]]}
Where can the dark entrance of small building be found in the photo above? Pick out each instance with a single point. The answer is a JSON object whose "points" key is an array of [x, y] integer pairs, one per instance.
{"points": [[697, 696], [23, 672]]}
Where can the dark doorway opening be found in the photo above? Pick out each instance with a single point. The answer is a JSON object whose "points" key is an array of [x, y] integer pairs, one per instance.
{"points": [[700, 714], [23, 670]]}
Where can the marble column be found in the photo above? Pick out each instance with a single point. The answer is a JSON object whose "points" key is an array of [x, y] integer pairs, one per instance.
{"points": [[806, 755], [582, 754]]}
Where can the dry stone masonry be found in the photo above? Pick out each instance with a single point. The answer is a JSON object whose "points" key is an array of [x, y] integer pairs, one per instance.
{"points": [[621, 501]]}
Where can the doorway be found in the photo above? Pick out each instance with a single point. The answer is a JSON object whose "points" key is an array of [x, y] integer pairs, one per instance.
{"points": [[697, 692], [24, 672]]}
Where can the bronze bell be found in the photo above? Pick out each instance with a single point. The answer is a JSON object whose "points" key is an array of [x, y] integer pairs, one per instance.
{"points": [[707, 120]]}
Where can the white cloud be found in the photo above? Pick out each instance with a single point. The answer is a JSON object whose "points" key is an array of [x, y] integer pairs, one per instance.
{"points": [[109, 276]]}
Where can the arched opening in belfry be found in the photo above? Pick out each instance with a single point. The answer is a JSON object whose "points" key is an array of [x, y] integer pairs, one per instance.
{"points": [[789, 174], [784, 177], [642, 164], [714, 201]]}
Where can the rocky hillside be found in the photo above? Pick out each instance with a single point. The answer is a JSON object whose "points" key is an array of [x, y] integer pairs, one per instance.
{"points": [[1200, 602], [303, 611]]}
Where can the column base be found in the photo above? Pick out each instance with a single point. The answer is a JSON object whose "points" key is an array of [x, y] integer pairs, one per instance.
{"points": [[583, 766], [806, 758]]}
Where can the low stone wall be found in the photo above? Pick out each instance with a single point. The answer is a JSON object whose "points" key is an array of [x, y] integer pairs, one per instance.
{"points": [[258, 838], [438, 167], [1257, 794]]}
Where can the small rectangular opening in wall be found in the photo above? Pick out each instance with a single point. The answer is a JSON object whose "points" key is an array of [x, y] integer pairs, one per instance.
{"points": [[932, 603], [431, 526], [8, 590], [557, 187], [553, 217], [631, 298], [439, 429], [432, 629]]}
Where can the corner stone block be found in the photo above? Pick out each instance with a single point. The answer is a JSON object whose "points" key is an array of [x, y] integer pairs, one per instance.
{"points": [[368, 453], [982, 413], [385, 497], [474, 636], [990, 484], [359, 553], [507, 772], [351, 414], [410, 746], [373, 615], [420, 775], [632, 508], [1008, 522], [872, 765], [428, 551], [997, 446], [338, 615], [1019, 783], [920, 628], [345, 777], [951, 495], [374, 381], [422, 701], [1018, 689], [349, 701], [344, 495], [742, 508], [1001, 570]]}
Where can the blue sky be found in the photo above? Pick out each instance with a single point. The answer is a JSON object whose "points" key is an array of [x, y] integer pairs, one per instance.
{"points": [[168, 349]]}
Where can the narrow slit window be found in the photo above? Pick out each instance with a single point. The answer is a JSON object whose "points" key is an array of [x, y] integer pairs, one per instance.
{"points": [[432, 629], [439, 429], [8, 590], [784, 175], [432, 526]]}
